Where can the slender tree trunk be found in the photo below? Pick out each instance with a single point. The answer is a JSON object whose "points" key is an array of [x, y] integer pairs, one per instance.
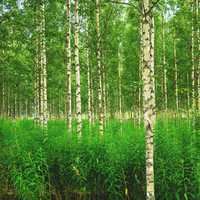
{"points": [[3, 98], [100, 96], [120, 68], [37, 69], [92, 101], [152, 46], [78, 77], [69, 64], [197, 6], [148, 94], [164, 64], [176, 72], [44, 69], [104, 92], [140, 70], [41, 71], [193, 57], [89, 88], [188, 92], [198, 53]]}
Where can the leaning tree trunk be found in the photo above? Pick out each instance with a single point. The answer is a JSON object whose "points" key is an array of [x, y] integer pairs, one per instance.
{"points": [[148, 94], [78, 76], [100, 89], [69, 86]]}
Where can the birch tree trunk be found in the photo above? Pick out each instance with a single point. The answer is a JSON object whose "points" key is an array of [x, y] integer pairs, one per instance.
{"points": [[198, 53], [164, 64], [69, 86], [89, 87], [193, 56], [120, 68], [3, 98], [176, 72], [43, 69], [37, 68], [78, 78], [140, 68], [188, 92], [152, 46], [148, 94], [100, 96], [104, 93]]}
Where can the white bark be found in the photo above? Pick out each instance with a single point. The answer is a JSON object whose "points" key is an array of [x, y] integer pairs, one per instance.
{"points": [[193, 56], [164, 64], [148, 94], [120, 68], [100, 96], [69, 86], [43, 69], [78, 77], [89, 87], [176, 72]]}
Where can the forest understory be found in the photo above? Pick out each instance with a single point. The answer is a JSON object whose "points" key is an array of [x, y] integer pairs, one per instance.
{"points": [[96, 167]]}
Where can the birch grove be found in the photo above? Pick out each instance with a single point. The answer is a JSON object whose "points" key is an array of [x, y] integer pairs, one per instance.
{"points": [[100, 98]]}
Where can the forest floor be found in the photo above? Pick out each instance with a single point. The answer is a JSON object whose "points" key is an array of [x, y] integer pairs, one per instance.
{"points": [[111, 167]]}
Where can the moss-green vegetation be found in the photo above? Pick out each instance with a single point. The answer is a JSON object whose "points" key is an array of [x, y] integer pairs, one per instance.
{"points": [[110, 167]]}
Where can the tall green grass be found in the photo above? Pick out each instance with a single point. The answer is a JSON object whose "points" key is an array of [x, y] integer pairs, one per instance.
{"points": [[111, 167]]}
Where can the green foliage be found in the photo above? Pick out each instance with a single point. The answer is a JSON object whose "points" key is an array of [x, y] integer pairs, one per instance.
{"points": [[25, 159], [108, 167]]}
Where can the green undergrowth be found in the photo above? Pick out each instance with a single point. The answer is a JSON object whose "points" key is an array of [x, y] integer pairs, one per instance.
{"points": [[111, 167]]}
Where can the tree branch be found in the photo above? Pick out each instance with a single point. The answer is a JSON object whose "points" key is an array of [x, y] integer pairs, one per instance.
{"points": [[119, 2], [122, 3], [152, 6]]}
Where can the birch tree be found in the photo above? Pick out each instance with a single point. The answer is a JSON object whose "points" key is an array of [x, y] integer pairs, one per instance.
{"points": [[175, 70], [44, 111], [78, 76], [89, 88], [68, 46], [120, 68], [193, 56], [198, 51], [41, 71], [148, 93], [164, 63], [100, 89]]}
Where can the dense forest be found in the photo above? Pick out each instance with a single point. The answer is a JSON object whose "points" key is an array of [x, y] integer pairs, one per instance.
{"points": [[99, 100]]}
